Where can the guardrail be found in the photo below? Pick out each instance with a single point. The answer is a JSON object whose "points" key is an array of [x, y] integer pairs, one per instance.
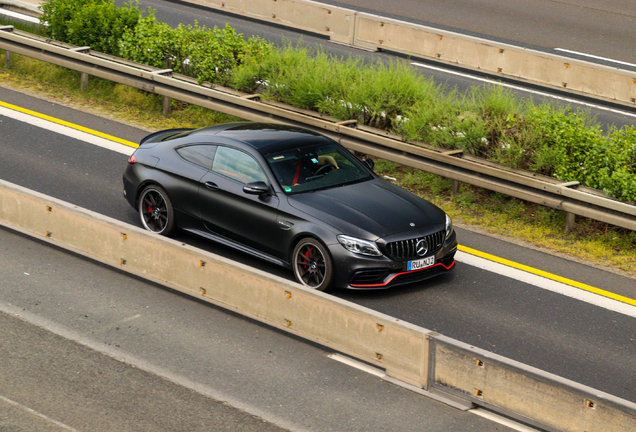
{"points": [[375, 32], [432, 364], [566, 196]]}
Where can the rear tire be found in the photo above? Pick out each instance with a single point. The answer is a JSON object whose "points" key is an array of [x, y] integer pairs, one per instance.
{"points": [[155, 211], [312, 265]]}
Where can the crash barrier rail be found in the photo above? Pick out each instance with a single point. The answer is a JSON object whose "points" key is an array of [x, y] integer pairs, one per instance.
{"points": [[370, 31], [435, 365], [566, 196]]}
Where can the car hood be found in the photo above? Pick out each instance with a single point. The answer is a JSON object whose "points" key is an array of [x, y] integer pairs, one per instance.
{"points": [[372, 209]]}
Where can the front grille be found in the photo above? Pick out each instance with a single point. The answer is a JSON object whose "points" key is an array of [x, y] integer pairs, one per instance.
{"points": [[407, 249]]}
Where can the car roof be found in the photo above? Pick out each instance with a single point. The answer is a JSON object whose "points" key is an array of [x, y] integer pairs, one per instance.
{"points": [[264, 137]]}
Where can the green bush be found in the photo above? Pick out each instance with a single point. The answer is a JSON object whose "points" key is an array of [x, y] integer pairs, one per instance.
{"points": [[618, 179], [99, 24], [208, 55], [567, 149]]}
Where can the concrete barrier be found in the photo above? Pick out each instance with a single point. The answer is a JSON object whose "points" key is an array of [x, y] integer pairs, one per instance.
{"points": [[376, 32], [408, 353], [525, 393], [335, 22]]}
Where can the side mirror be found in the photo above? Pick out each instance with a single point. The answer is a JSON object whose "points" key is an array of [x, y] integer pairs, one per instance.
{"points": [[369, 163], [256, 188]]}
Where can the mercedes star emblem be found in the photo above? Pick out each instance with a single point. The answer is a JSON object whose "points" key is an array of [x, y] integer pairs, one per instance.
{"points": [[421, 247]]}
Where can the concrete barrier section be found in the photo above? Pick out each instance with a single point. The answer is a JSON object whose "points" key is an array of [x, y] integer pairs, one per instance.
{"points": [[398, 347], [335, 22], [524, 392], [375, 32]]}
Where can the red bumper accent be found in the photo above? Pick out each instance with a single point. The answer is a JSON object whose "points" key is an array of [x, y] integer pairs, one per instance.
{"points": [[402, 273]]}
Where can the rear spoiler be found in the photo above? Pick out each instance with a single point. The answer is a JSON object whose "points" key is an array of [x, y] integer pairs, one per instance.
{"points": [[153, 137]]}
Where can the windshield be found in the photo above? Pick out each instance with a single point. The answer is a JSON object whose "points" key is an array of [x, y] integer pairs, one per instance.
{"points": [[315, 167]]}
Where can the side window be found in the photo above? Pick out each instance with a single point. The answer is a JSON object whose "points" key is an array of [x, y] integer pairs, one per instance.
{"points": [[201, 155], [237, 165]]}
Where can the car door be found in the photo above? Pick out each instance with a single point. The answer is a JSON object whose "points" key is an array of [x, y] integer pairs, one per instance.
{"points": [[195, 160], [227, 210]]}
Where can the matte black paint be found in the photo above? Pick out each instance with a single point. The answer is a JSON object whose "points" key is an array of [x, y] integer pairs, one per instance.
{"points": [[270, 225]]}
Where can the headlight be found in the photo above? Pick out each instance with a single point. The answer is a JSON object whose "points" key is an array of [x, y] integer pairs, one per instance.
{"points": [[449, 226], [359, 246]]}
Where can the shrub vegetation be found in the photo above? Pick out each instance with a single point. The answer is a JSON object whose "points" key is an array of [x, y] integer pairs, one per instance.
{"points": [[487, 122]]}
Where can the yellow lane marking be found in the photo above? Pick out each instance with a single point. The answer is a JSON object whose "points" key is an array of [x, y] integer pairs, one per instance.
{"points": [[547, 275], [68, 124]]}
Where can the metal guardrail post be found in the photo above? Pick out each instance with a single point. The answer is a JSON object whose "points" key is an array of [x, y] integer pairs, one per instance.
{"points": [[84, 77], [456, 184], [167, 102], [570, 218], [8, 58]]}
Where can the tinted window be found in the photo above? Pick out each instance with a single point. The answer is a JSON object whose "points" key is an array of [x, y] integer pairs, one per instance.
{"points": [[237, 165], [201, 155], [315, 167]]}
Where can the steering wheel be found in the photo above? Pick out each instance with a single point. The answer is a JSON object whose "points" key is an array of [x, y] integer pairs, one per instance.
{"points": [[324, 169]]}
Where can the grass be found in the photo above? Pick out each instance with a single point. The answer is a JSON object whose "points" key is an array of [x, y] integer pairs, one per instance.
{"points": [[541, 227]]}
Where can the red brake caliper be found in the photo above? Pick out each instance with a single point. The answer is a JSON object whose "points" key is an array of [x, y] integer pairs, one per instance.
{"points": [[307, 255]]}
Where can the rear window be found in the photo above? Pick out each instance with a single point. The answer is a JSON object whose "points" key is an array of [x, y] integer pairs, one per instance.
{"points": [[201, 155]]}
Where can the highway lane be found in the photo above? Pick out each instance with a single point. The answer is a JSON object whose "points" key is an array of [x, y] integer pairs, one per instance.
{"points": [[604, 28], [568, 337]]}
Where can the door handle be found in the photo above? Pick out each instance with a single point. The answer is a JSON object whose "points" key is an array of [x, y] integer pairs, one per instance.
{"points": [[211, 185]]}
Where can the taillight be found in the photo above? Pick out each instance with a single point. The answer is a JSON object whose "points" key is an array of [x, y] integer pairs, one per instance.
{"points": [[132, 160]]}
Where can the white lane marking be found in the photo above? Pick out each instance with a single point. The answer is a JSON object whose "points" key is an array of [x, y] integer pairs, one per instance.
{"points": [[595, 57], [19, 16], [514, 87], [37, 414], [546, 284], [64, 130], [502, 420], [358, 365]]}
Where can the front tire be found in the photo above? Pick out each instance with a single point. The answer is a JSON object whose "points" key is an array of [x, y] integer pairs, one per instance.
{"points": [[155, 211], [312, 265]]}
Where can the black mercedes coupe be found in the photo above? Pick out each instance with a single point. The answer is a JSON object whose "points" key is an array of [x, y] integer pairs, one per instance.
{"points": [[292, 197]]}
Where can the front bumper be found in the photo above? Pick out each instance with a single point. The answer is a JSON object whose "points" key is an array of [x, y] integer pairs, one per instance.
{"points": [[358, 272]]}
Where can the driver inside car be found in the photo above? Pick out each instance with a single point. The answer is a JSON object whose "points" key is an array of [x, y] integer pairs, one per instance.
{"points": [[296, 170]]}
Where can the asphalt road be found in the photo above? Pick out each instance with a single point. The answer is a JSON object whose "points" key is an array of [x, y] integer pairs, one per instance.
{"points": [[570, 338]]}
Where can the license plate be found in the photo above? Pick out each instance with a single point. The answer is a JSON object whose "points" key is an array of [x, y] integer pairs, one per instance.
{"points": [[420, 264]]}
